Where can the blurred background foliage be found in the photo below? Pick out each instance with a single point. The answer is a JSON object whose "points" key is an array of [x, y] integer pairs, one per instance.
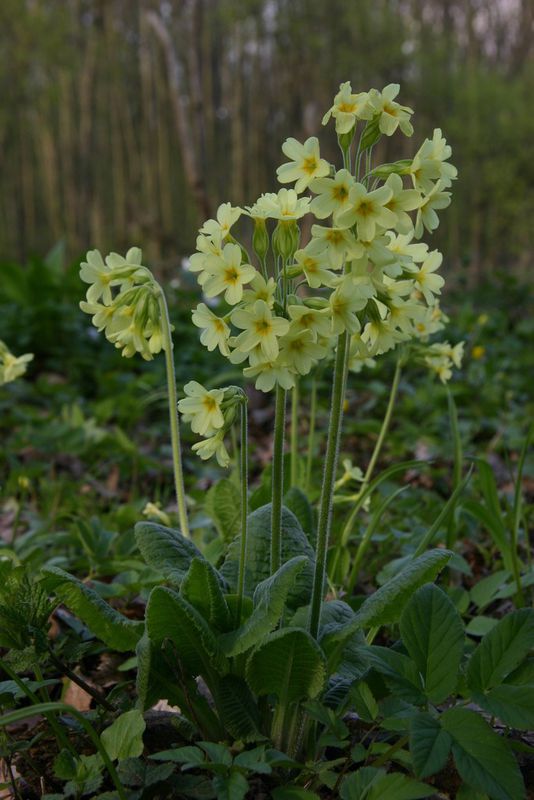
{"points": [[129, 121]]}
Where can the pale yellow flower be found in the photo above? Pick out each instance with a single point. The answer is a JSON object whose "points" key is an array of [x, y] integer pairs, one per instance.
{"points": [[300, 350], [260, 289], [425, 278], [284, 205], [348, 108], [332, 194], [202, 408], [426, 214], [305, 163], [368, 211], [259, 327], [344, 303], [340, 244], [315, 320], [268, 374], [226, 216], [402, 201], [314, 261], [392, 115], [12, 367], [215, 331], [227, 274], [213, 446]]}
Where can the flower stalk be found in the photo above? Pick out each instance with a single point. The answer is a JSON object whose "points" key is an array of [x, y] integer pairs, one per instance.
{"points": [[278, 478], [327, 495], [173, 414], [244, 505]]}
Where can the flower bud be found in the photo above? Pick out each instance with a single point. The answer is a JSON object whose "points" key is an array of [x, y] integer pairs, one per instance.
{"points": [[286, 238], [260, 238]]}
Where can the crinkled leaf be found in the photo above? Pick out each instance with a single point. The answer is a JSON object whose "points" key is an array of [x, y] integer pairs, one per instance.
{"points": [[294, 543], [166, 550], [112, 628], [237, 709], [289, 664], [169, 616], [201, 587], [269, 601], [223, 505], [297, 502], [399, 671], [385, 606]]}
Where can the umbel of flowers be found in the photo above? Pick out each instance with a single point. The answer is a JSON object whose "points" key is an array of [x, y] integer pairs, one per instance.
{"points": [[362, 284]]}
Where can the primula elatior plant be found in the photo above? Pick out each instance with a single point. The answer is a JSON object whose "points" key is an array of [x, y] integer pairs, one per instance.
{"points": [[247, 647]]}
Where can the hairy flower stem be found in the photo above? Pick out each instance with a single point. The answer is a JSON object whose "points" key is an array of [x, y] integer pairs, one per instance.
{"points": [[278, 479], [244, 508], [385, 426], [173, 414], [311, 433], [327, 494], [294, 434], [347, 530]]}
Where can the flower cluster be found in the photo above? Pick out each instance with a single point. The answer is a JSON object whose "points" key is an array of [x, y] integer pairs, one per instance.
{"points": [[363, 270], [12, 367], [210, 413], [124, 301]]}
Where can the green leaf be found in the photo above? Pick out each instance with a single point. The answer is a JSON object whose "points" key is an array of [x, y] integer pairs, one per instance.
{"points": [[112, 628], [223, 505], [294, 543], [293, 793], [269, 601], [289, 664], [482, 757], [433, 634], [231, 787], [124, 737], [399, 671], [166, 550], [369, 783], [169, 616], [190, 756], [514, 705], [237, 709], [430, 745], [297, 502], [201, 587], [501, 650], [385, 606]]}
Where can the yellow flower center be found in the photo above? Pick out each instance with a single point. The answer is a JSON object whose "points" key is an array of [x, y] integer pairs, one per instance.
{"points": [[340, 193], [310, 264], [263, 327], [390, 109], [334, 237], [365, 209], [209, 403], [218, 324], [231, 275], [347, 108], [421, 327], [309, 165]]}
